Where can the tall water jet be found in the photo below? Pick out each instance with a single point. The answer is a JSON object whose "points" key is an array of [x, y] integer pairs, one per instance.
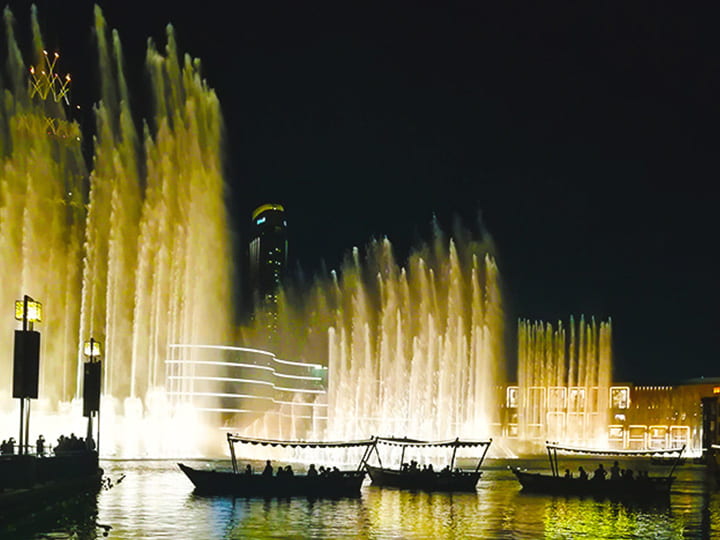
{"points": [[564, 378], [417, 352], [414, 350], [135, 252]]}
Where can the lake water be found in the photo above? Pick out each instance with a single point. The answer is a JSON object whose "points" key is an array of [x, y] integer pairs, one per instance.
{"points": [[154, 500]]}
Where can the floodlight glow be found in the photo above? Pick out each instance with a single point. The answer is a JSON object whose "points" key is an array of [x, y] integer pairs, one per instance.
{"points": [[34, 311], [92, 348]]}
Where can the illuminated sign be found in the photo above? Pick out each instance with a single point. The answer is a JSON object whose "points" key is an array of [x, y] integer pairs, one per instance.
{"points": [[716, 389]]}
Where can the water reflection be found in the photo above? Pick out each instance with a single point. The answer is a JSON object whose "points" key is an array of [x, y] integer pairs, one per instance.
{"points": [[75, 517], [155, 500]]}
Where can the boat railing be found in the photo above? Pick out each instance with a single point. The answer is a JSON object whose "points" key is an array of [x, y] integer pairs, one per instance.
{"points": [[405, 443], [553, 448], [233, 439]]}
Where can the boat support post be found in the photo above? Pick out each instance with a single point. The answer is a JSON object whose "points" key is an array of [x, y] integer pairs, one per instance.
{"points": [[482, 458], [455, 447], [677, 460], [232, 453], [366, 454], [552, 457]]}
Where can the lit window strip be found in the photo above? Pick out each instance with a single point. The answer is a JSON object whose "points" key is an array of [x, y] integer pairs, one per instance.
{"points": [[246, 396], [226, 379], [249, 411], [300, 404], [220, 347], [209, 363], [301, 377], [220, 394], [210, 409], [290, 363], [250, 381], [300, 390]]}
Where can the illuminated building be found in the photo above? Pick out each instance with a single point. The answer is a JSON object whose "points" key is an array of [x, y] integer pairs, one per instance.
{"points": [[237, 386], [639, 416], [268, 261]]}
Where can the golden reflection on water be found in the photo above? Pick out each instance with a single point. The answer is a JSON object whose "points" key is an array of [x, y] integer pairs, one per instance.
{"points": [[156, 501]]}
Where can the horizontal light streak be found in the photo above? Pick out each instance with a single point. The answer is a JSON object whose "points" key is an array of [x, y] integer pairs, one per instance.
{"points": [[301, 377], [301, 404], [221, 394], [224, 379], [248, 411], [237, 429], [225, 364], [301, 390], [220, 347], [303, 364], [250, 381], [210, 409]]}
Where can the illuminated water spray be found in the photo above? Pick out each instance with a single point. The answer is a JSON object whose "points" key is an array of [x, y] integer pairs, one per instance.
{"points": [[564, 378], [414, 350], [132, 252]]}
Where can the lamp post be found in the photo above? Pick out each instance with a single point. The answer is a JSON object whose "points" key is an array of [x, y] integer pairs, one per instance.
{"points": [[91, 389], [26, 363]]}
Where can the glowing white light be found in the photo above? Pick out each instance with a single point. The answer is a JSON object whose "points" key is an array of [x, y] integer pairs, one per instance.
{"points": [[210, 363], [290, 363], [301, 377], [220, 347], [225, 379], [314, 405], [300, 390], [220, 394]]}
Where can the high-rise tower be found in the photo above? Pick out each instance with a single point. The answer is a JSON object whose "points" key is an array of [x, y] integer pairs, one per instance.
{"points": [[268, 261]]}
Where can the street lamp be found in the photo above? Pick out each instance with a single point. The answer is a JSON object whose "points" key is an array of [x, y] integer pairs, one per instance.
{"points": [[26, 363], [91, 388]]}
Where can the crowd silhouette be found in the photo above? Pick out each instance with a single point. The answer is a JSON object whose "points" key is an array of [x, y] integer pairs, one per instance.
{"points": [[600, 473]]}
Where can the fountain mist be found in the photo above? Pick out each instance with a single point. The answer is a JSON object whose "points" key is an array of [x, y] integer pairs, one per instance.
{"points": [[133, 252], [564, 378], [412, 351]]}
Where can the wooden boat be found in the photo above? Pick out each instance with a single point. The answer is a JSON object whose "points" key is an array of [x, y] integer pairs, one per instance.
{"points": [[664, 461], [335, 483], [411, 477], [634, 488]]}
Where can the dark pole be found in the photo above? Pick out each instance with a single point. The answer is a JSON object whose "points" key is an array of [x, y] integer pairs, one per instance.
{"points": [[21, 438]]}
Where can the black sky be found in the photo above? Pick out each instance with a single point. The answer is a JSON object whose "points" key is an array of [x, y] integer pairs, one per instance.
{"points": [[585, 133]]}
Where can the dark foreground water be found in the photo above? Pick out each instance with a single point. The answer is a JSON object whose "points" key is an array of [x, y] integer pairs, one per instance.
{"points": [[154, 500]]}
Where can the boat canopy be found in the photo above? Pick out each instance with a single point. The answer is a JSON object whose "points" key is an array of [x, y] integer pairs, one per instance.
{"points": [[554, 448], [298, 444], [609, 452], [232, 439], [455, 443], [405, 443]]}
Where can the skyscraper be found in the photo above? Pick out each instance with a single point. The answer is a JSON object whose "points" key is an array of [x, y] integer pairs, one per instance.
{"points": [[268, 261]]}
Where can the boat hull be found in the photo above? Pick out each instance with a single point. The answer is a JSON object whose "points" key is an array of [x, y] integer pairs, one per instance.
{"points": [[211, 482], [558, 485], [423, 480]]}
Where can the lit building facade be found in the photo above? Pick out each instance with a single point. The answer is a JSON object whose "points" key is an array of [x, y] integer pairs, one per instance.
{"points": [[268, 253], [248, 390], [638, 416]]}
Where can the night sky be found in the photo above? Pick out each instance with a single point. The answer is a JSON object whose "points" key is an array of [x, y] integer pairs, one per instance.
{"points": [[585, 135]]}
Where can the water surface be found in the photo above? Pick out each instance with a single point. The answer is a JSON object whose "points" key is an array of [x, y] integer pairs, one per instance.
{"points": [[155, 500]]}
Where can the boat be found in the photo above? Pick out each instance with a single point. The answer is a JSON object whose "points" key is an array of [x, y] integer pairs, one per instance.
{"points": [[332, 483], [664, 461], [711, 461], [635, 487], [414, 478]]}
